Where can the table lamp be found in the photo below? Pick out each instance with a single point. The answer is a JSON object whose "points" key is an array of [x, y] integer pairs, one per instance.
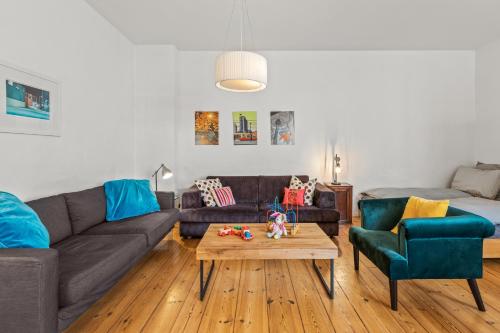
{"points": [[166, 173], [336, 169]]}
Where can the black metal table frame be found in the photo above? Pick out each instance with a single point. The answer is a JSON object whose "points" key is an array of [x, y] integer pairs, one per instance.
{"points": [[328, 288]]}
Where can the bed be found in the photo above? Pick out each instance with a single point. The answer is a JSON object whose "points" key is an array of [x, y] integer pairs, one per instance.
{"points": [[489, 209]]}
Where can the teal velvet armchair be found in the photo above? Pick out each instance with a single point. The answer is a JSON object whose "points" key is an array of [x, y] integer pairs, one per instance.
{"points": [[450, 247]]}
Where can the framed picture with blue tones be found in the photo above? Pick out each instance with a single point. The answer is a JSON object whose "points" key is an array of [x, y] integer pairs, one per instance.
{"points": [[29, 102]]}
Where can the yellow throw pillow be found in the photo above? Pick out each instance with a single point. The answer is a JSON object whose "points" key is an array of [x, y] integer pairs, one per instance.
{"points": [[418, 207]]}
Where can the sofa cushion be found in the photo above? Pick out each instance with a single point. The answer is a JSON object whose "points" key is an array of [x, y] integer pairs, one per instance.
{"points": [[86, 261], [307, 214], [126, 198], [54, 215], [245, 188], [239, 213], [154, 226], [272, 186], [20, 226], [382, 248], [86, 208]]}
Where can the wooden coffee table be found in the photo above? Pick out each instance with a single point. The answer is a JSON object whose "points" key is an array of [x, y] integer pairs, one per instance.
{"points": [[309, 243]]}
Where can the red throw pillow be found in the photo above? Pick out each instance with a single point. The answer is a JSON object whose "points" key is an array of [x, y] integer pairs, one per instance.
{"points": [[294, 197], [223, 196]]}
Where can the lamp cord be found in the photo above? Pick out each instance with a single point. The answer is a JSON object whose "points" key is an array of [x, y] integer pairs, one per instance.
{"points": [[243, 16]]}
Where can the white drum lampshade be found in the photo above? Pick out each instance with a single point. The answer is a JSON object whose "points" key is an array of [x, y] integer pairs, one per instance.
{"points": [[241, 71]]}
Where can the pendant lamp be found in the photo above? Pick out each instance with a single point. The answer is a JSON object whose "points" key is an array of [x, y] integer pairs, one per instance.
{"points": [[241, 71]]}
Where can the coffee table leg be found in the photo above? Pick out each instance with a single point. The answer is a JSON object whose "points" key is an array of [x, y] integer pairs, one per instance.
{"points": [[329, 289], [203, 286]]}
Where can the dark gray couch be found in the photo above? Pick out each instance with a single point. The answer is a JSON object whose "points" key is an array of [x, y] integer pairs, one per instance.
{"points": [[45, 290], [253, 194]]}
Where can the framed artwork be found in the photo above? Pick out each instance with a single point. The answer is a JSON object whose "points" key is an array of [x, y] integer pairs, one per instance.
{"points": [[29, 102], [245, 128], [282, 128], [206, 128]]}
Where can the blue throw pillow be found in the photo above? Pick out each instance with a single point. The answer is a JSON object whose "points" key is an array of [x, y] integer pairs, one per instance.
{"points": [[129, 198], [20, 226]]}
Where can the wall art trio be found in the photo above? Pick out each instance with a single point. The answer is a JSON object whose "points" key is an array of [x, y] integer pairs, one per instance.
{"points": [[206, 127]]}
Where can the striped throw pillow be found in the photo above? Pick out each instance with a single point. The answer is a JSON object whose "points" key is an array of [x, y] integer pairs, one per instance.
{"points": [[223, 196]]}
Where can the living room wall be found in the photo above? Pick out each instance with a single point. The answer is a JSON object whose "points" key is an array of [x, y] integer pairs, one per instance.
{"points": [[69, 41], [488, 103], [397, 118]]}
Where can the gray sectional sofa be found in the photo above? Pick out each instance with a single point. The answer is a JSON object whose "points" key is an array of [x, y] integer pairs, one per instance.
{"points": [[45, 290], [253, 195]]}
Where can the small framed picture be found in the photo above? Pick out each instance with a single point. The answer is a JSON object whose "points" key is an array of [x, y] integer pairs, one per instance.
{"points": [[29, 102]]}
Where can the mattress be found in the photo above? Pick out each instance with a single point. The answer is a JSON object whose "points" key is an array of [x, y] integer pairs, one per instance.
{"points": [[489, 209], [422, 192]]}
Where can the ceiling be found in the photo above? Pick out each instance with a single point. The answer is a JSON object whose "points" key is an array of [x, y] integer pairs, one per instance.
{"points": [[309, 24]]}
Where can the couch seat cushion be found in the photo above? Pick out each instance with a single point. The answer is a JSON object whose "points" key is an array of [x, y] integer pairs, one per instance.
{"points": [[87, 261], [308, 214], [239, 213], [382, 248], [154, 226]]}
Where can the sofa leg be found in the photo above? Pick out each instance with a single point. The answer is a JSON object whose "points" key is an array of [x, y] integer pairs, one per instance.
{"points": [[477, 294], [393, 286], [356, 258]]}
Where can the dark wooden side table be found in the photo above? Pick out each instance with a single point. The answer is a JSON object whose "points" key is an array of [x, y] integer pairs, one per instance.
{"points": [[343, 200]]}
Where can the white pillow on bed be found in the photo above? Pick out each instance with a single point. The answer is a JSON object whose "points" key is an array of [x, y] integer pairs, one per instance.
{"points": [[481, 183], [486, 166]]}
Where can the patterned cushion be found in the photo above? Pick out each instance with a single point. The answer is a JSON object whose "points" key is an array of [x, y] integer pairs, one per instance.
{"points": [[296, 183], [206, 186], [223, 196]]}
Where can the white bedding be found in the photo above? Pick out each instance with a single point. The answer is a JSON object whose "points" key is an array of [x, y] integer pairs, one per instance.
{"points": [[489, 209], [422, 192]]}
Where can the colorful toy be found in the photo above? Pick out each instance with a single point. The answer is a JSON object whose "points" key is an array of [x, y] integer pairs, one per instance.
{"points": [[278, 221], [291, 212], [225, 231], [246, 234], [237, 230]]}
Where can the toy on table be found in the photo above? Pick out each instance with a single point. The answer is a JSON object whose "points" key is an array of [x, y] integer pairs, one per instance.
{"points": [[246, 234], [237, 230], [291, 212], [225, 231], [277, 222]]}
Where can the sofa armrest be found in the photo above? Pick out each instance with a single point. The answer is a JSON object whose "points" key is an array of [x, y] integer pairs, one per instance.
{"points": [[192, 198], [166, 200], [29, 282], [381, 214], [465, 226], [324, 197]]}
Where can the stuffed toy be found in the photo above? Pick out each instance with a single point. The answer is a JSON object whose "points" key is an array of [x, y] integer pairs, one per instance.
{"points": [[277, 226]]}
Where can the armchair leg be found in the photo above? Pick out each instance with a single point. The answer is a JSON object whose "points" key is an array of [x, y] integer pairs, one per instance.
{"points": [[477, 294], [356, 258], [393, 286]]}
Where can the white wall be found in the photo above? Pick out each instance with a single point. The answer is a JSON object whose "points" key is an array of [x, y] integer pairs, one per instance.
{"points": [[488, 103], [396, 118], [69, 41], [155, 70]]}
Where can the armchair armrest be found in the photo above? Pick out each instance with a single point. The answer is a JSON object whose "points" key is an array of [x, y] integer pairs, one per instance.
{"points": [[381, 214], [464, 226], [29, 290], [192, 198], [323, 197], [166, 200]]}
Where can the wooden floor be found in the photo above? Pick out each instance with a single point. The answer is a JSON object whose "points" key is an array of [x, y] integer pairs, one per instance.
{"points": [[161, 295]]}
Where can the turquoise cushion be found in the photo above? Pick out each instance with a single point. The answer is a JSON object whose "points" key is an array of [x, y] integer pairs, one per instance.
{"points": [[128, 198], [20, 226]]}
